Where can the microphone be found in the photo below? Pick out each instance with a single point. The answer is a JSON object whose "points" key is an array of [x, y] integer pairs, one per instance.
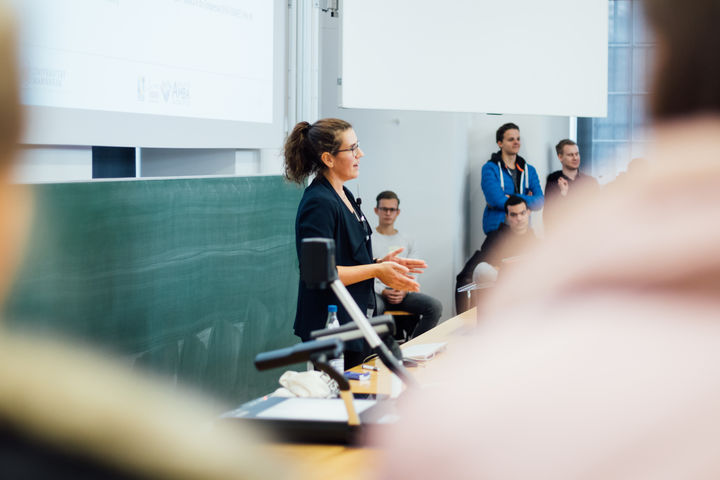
{"points": [[383, 325], [317, 262], [301, 352]]}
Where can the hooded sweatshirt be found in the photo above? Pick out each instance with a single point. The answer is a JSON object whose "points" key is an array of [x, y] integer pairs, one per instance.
{"points": [[497, 184]]}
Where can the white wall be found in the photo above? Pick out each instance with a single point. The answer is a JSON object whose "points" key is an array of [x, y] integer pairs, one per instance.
{"points": [[432, 161]]}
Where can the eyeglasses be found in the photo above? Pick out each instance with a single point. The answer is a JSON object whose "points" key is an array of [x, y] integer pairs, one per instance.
{"points": [[388, 209], [353, 148]]}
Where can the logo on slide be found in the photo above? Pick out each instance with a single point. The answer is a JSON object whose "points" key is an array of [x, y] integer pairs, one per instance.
{"points": [[171, 92]]}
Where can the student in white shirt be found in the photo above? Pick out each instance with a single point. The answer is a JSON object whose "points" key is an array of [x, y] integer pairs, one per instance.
{"points": [[388, 239]]}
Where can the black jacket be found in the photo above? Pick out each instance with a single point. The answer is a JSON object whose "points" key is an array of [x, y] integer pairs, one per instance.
{"points": [[554, 201], [499, 244], [322, 213]]}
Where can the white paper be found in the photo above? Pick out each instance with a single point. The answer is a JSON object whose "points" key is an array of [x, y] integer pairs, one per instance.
{"points": [[318, 409]]}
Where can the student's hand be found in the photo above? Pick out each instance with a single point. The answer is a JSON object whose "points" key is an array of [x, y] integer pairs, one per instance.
{"points": [[393, 296], [564, 186], [413, 265], [396, 276]]}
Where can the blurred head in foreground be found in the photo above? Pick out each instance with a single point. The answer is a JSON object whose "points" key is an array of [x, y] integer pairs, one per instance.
{"points": [[686, 78], [14, 203], [66, 413], [609, 367]]}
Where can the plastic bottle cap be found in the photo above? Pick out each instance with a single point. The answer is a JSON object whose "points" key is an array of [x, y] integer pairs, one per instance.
{"points": [[332, 308]]}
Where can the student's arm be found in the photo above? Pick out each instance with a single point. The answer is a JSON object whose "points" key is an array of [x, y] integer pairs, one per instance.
{"points": [[534, 196], [495, 197], [483, 255]]}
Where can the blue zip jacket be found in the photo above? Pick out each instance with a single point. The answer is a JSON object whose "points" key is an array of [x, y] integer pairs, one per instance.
{"points": [[497, 183]]}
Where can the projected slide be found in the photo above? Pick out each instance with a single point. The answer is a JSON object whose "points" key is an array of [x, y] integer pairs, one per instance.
{"points": [[207, 59]]}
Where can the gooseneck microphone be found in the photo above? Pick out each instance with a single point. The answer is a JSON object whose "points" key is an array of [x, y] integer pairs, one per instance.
{"points": [[298, 353]]}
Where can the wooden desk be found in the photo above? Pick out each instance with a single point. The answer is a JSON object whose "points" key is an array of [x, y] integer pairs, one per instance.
{"points": [[338, 462]]}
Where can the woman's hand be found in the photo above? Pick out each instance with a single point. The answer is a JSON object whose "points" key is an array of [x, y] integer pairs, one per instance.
{"points": [[393, 271], [397, 276], [413, 265]]}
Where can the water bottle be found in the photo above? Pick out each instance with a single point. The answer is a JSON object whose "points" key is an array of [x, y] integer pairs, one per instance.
{"points": [[332, 322]]}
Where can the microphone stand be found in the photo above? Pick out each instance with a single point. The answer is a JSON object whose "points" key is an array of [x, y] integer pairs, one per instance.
{"points": [[318, 270], [371, 336], [320, 361], [318, 352]]}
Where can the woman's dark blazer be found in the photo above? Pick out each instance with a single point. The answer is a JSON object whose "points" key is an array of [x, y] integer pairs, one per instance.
{"points": [[322, 213]]}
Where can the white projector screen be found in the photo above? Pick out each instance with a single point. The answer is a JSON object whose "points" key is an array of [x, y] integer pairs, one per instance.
{"points": [[152, 73], [544, 57]]}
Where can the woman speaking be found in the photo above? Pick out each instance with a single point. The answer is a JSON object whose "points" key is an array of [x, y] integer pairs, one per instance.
{"points": [[329, 148]]}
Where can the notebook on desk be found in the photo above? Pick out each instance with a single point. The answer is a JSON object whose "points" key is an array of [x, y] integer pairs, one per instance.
{"points": [[313, 420], [423, 352]]}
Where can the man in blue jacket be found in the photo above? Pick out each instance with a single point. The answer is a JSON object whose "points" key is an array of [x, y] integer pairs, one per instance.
{"points": [[506, 174]]}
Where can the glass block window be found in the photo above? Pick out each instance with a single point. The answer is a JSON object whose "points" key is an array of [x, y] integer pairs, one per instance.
{"points": [[608, 144]]}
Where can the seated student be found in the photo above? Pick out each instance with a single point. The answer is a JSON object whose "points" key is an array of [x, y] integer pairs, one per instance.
{"points": [[387, 240], [505, 174], [69, 413], [565, 185], [503, 245]]}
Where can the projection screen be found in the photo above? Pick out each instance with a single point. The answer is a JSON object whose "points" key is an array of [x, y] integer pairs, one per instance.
{"points": [[515, 56], [153, 73]]}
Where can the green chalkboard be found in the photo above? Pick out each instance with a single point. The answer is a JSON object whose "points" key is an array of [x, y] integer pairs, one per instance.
{"points": [[187, 277]]}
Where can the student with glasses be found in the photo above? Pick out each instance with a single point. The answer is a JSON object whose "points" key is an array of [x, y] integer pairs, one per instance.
{"points": [[425, 310], [329, 149]]}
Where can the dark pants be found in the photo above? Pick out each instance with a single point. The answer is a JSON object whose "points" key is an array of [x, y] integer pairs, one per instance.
{"points": [[427, 308], [463, 301]]}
